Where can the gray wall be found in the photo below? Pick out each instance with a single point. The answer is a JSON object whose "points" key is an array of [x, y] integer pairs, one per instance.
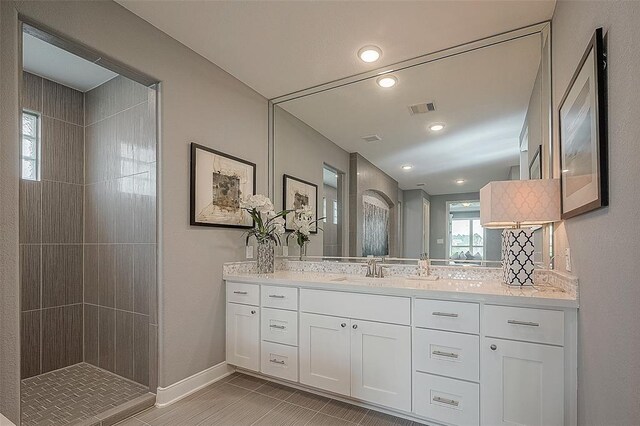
{"points": [[364, 176], [413, 222], [608, 339], [300, 151], [120, 298], [199, 102], [440, 223], [51, 212]]}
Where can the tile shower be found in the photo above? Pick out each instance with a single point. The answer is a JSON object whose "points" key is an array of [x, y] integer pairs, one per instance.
{"points": [[88, 249]]}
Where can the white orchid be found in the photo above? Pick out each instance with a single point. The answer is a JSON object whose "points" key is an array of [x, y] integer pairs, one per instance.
{"points": [[302, 223], [269, 225]]}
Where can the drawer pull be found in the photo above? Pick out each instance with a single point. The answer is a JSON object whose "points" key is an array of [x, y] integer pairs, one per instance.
{"points": [[527, 323], [275, 361], [447, 354], [239, 292], [279, 327], [276, 296], [444, 314], [446, 401]]}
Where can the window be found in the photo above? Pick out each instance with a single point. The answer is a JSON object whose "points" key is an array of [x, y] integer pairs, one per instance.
{"points": [[467, 236], [324, 209], [335, 212], [30, 146]]}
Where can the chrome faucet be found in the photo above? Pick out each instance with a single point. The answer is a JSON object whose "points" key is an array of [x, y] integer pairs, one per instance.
{"points": [[374, 268]]}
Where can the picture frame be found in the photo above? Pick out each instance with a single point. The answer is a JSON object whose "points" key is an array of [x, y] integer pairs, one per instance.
{"points": [[535, 166], [295, 193], [219, 182], [584, 178]]}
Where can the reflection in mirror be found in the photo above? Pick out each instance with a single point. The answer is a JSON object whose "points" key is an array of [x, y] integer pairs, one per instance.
{"points": [[399, 168]]}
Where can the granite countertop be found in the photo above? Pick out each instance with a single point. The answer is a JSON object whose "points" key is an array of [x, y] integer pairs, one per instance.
{"points": [[477, 290]]}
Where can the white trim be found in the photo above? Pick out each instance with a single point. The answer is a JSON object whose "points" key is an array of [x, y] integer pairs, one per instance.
{"points": [[5, 421], [191, 384]]}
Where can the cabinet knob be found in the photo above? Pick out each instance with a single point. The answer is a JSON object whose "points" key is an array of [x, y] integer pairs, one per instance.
{"points": [[355, 326], [343, 325], [493, 347], [253, 312]]}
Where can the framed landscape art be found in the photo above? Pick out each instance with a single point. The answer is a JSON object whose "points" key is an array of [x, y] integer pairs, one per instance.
{"points": [[298, 193], [218, 184], [583, 134]]}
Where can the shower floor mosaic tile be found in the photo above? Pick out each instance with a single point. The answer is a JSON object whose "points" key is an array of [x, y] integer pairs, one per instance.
{"points": [[74, 393]]}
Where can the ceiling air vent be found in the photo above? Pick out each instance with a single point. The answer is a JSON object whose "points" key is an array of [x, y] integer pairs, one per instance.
{"points": [[371, 138], [422, 108]]}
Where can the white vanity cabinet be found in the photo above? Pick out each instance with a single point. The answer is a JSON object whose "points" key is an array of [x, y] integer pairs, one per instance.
{"points": [[243, 326]]}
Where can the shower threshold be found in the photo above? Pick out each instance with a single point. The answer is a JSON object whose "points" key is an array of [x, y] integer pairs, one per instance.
{"points": [[81, 394]]}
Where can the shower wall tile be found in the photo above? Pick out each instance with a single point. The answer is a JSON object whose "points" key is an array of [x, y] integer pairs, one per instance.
{"points": [[62, 334], [106, 275], [124, 344], [153, 358], [144, 278], [141, 348], [91, 334], [91, 280], [106, 211], [30, 344], [30, 207], [144, 227], [61, 275], [62, 206], [62, 151], [106, 338], [31, 92], [62, 102], [30, 276], [124, 209], [124, 268], [100, 151], [115, 95]]}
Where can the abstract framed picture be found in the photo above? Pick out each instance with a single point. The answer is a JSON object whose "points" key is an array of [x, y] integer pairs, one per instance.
{"points": [[218, 184], [296, 194], [583, 134]]}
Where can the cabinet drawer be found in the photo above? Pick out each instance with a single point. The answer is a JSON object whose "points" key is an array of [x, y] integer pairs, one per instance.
{"points": [[249, 294], [450, 316], [446, 400], [280, 326], [391, 309], [532, 325], [280, 297], [447, 354], [279, 361]]}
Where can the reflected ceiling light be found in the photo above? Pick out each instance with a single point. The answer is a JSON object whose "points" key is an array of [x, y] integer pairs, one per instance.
{"points": [[466, 204], [460, 181], [436, 127], [407, 167], [565, 171], [387, 81], [369, 54]]}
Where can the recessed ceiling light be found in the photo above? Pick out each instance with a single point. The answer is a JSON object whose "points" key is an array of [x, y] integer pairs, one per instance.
{"points": [[460, 181], [369, 54], [407, 167], [387, 81], [436, 127]]}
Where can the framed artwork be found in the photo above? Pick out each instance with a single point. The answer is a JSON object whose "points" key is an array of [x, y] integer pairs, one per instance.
{"points": [[535, 166], [297, 193], [218, 183], [583, 134]]}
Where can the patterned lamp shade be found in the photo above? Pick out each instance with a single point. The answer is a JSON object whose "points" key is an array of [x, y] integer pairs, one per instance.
{"points": [[513, 204]]}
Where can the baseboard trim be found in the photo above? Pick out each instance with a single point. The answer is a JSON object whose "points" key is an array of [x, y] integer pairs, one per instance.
{"points": [[191, 384]]}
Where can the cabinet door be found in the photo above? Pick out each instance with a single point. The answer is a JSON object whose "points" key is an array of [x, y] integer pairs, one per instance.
{"points": [[243, 336], [522, 383], [324, 352], [381, 363]]}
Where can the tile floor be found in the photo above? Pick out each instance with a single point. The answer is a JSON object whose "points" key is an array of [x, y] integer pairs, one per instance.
{"points": [[245, 400], [74, 393]]}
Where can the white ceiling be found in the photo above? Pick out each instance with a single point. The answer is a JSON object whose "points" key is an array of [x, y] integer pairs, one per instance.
{"points": [[482, 96], [277, 47], [53, 63]]}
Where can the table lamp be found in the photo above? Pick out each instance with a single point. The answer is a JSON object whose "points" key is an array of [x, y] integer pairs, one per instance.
{"points": [[516, 206]]}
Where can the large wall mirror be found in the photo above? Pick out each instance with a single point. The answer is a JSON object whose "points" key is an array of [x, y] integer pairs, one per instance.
{"points": [[399, 168]]}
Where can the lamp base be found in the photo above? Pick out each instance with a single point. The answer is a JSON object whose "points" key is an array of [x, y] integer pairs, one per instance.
{"points": [[517, 257]]}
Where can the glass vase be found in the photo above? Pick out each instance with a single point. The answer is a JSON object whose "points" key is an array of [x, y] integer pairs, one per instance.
{"points": [[303, 250], [266, 257]]}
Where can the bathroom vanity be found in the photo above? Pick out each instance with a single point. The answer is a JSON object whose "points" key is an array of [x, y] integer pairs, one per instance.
{"points": [[460, 350]]}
